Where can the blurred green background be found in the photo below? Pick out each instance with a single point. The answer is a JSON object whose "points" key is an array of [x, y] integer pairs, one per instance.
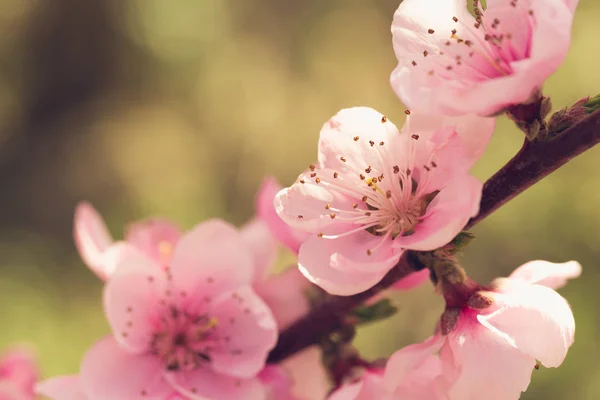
{"points": [[179, 109]]}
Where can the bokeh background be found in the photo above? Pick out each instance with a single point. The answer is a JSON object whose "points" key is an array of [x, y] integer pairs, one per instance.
{"points": [[179, 109]]}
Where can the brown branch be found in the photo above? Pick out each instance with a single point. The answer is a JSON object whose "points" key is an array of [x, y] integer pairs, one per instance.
{"points": [[532, 163]]}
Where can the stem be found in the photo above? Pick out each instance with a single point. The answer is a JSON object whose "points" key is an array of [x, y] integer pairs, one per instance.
{"points": [[533, 162]]}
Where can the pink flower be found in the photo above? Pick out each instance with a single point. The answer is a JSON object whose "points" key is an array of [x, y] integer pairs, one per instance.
{"points": [[368, 386], [62, 388], [154, 237], [18, 374], [453, 63], [310, 379], [195, 327], [376, 192], [495, 343]]}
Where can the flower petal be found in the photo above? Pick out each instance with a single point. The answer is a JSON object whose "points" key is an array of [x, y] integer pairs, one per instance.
{"points": [[403, 362], [154, 237], [277, 383], [368, 387], [342, 266], [19, 367], [284, 293], [214, 253], [91, 236], [446, 215], [412, 280], [62, 388], [108, 372], [248, 323], [309, 376], [131, 298], [489, 367], [261, 243], [265, 210], [535, 319], [203, 384], [545, 273]]}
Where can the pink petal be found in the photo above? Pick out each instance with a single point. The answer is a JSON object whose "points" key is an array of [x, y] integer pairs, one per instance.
{"points": [[285, 295], [62, 388], [552, 275], [19, 367], [265, 210], [131, 298], [261, 243], [338, 138], [155, 237], [108, 372], [489, 367], [368, 387], [8, 391], [203, 384], [309, 377], [302, 205], [211, 259], [342, 266], [252, 332], [91, 236], [413, 280], [535, 320], [446, 215], [475, 133], [403, 362], [277, 383]]}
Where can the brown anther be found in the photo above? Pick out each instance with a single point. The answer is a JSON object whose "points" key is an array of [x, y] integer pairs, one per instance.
{"points": [[356, 138], [530, 12], [430, 73], [335, 174], [129, 309], [320, 234], [368, 169], [364, 198], [453, 31], [343, 159], [433, 164], [449, 67], [388, 194], [368, 213], [414, 63], [354, 205], [380, 177], [300, 216], [383, 119], [537, 365], [448, 43], [486, 37], [454, 19], [362, 177], [416, 137], [318, 180], [477, 24], [408, 172], [327, 206], [468, 43], [407, 112], [369, 252], [496, 21], [332, 215], [396, 169], [301, 180], [313, 174], [311, 167], [426, 168], [430, 31], [381, 143], [425, 53], [372, 143]]}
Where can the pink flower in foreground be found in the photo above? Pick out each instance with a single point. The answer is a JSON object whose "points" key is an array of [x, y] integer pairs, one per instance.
{"points": [[376, 192], [277, 383], [453, 63], [195, 327], [310, 379], [18, 374], [155, 237], [492, 349]]}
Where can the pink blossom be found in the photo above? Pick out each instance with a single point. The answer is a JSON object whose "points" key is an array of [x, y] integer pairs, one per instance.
{"points": [[277, 383], [376, 192], [453, 63], [368, 386], [155, 237], [496, 341], [18, 374], [195, 327]]}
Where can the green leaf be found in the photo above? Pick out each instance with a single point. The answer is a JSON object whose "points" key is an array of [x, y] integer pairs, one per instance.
{"points": [[374, 312]]}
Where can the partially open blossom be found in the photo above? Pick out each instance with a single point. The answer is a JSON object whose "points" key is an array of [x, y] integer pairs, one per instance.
{"points": [[155, 237], [494, 344], [195, 327], [453, 62], [18, 374], [376, 192]]}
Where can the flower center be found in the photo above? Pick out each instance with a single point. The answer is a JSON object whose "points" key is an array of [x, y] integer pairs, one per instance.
{"points": [[184, 341]]}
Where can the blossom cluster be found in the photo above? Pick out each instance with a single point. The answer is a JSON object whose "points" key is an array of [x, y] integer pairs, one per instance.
{"points": [[195, 314]]}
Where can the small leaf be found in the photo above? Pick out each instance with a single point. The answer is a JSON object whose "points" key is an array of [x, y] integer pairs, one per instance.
{"points": [[460, 241], [374, 312]]}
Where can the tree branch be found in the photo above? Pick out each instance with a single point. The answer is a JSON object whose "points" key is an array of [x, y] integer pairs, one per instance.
{"points": [[532, 163]]}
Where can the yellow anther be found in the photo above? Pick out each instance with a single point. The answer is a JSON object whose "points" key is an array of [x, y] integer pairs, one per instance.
{"points": [[165, 250]]}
